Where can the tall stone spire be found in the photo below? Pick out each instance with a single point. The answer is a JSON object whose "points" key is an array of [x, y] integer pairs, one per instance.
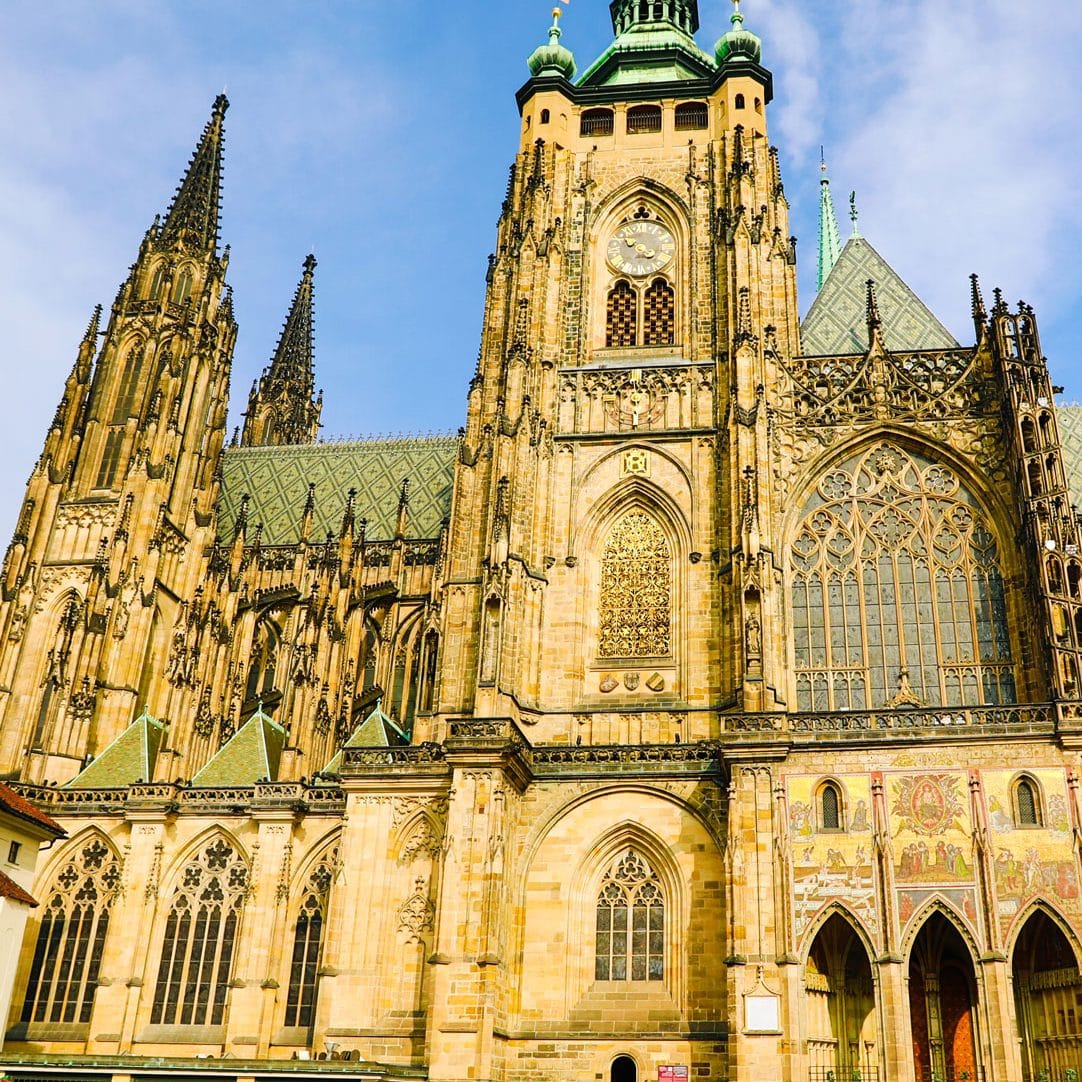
{"points": [[281, 409], [830, 247], [192, 219]]}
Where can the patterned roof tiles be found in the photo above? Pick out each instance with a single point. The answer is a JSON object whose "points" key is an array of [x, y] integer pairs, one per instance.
{"points": [[128, 760], [837, 322], [277, 478], [11, 802], [1070, 430]]}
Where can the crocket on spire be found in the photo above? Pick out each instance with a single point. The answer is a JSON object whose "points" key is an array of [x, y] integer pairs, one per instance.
{"points": [[281, 407], [192, 218]]}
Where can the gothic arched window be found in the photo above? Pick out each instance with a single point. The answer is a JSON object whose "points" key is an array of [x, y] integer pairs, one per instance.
{"points": [[67, 956], [630, 943], [659, 314], [635, 604], [621, 316], [898, 596], [1027, 804], [308, 945], [830, 807], [200, 936]]}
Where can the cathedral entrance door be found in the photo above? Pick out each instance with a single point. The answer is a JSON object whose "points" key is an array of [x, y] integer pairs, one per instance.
{"points": [[1047, 989], [942, 1002], [624, 1069]]}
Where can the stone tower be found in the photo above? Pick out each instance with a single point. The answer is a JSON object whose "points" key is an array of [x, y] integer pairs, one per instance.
{"points": [[121, 501], [642, 285]]}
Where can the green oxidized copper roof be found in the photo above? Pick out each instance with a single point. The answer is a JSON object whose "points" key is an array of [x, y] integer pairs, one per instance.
{"points": [[276, 479], [251, 755], [837, 321], [649, 53], [376, 731], [127, 760], [830, 247], [553, 58], [1070, 430]]}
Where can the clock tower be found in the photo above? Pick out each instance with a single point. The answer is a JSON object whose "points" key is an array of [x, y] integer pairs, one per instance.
{"points": [[608, 569]]}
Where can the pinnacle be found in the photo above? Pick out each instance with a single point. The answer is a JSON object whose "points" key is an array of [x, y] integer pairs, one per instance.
{"points": [[192, 219], [293, 361]]}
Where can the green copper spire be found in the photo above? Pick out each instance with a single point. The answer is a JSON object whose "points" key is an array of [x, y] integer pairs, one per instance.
{"points": [[554, 58], [738, 43], [829, 242]]}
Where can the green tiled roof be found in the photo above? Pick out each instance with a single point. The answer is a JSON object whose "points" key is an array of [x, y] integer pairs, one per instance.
{"points": [[251, 755], [837, 322], [1070, 430], [277, 479], [127, 760], [376, 731]]}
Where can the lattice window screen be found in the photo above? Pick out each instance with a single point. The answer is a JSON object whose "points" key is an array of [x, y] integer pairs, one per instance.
{"points": [[898, 596], [621, 316], [635, 617], [659, 314], [308, 945]]}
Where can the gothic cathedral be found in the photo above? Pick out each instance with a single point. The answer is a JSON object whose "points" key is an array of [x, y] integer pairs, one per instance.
{"points": [[709, 708]]}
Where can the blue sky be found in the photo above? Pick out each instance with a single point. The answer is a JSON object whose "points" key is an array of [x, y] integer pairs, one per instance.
{"points": [[379, 135]]}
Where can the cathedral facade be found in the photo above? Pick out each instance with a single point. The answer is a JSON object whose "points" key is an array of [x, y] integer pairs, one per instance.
{"points": [[708, 708]]}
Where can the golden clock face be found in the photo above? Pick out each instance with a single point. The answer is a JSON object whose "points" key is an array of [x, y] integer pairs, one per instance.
{"points": [[640, 248]]}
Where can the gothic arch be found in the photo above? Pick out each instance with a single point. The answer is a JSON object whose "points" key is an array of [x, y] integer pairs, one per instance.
{"points": [[1043, 905], [420, 832], [631, 494], [318, 852], [642, 190], [645, 484], [938, 904], [840, 909]]}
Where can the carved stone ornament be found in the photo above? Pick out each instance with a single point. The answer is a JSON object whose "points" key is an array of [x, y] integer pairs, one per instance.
{"points": [[631, 680], [608, 684], [656, 683], [637, 463], [417, 913]]}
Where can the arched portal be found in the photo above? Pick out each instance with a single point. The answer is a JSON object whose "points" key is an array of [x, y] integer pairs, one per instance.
{"points": [[624, 1069], [943, 1004], [842, 1037], [1047, 989]]}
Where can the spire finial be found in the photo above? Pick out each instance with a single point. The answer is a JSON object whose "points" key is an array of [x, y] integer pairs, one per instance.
{"points": [[875, 321], [854, 214], [737, 17]]}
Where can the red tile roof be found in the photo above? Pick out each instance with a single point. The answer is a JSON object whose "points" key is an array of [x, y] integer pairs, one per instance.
{"points": [[11, 802], [10, 889]]}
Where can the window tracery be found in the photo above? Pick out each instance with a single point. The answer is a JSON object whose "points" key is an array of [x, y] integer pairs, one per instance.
{"points": [[68, 952], [898, 595], [630, 940], [308, 945], [200, 936], [635, 606]]}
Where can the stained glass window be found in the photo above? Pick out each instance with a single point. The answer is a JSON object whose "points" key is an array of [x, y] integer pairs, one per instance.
{"points": [[200, 935], [308, 946], [67, 956], [897, 592], [630, 941], [636, 590]]}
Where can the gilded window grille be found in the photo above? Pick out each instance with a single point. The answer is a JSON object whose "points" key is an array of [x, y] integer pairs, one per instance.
{"points": [[71, 939], [308, 940], [635, 617], [659, 314], [630, 923], [200, 938], [897, 591], [621, 316]]}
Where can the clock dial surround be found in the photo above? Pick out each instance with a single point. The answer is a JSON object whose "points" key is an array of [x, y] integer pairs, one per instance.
{"points": [[641, 248]]}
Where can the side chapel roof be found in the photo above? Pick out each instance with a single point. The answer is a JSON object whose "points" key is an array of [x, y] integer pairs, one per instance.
{"points": [[128, 760]]}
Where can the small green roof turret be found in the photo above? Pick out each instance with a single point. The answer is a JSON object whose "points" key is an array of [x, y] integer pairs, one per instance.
{"points": [[738, 43], [553, 58]]}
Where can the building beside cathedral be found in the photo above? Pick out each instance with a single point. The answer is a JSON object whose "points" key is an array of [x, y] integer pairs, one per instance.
{"points": [[709, 708]]}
